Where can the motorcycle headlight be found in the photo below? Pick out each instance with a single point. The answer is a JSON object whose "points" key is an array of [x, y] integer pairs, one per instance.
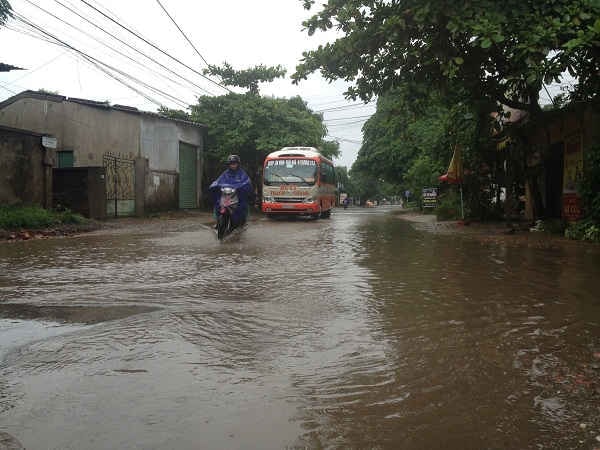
{"points": [[227, 190]]}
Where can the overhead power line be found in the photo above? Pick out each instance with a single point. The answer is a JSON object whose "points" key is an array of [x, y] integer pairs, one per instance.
{"points": [[351, 141], [8, 89], [104, 66], [110, 47], [347, 118], [181, 31], [29, 72], [344, 107], [148, 57], [155, 46], [344, 125]]}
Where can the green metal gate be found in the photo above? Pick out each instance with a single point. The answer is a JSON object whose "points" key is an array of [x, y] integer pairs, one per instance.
{"points": [[187, 176]]}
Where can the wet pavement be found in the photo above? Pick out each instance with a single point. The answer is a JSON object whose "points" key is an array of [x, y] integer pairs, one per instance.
{"points": [[354, 332]]}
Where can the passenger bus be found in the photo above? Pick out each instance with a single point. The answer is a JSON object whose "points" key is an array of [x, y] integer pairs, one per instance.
{"points": [[298, 181]]}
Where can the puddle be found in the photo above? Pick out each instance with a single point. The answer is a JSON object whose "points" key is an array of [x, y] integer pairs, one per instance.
{"points": [[22, 324], [15, 333]]}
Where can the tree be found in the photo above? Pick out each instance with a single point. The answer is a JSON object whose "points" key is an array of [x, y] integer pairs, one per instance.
{"points": [[5, 11], [343, 181], [174, 113], [253, 126], [497, 51], [246, 78], [409, 121]]}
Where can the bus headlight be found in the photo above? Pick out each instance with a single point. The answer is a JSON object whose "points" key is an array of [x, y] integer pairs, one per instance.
{"points": [[268, 199], [309, 200]]}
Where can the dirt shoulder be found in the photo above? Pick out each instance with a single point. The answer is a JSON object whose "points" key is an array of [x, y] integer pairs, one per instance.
{"points": [[178, 220], [25, 234], [506, 233], [165, 221]]}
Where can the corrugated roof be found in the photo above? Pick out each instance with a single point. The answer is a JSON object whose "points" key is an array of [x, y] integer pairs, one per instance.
{"points": [[93, 104]]}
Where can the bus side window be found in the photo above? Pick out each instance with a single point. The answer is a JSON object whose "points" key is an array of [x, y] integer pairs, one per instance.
{"points": [[327, 174], [324, 173]]}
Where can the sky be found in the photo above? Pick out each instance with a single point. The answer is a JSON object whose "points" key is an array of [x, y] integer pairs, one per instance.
{"points": [[243, 33]]}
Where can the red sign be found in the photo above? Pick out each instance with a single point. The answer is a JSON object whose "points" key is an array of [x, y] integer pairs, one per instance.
{"points": [[571, 210]]}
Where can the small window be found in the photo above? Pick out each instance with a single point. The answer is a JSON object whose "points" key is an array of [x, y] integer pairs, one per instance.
{"points": [[65, 158]]}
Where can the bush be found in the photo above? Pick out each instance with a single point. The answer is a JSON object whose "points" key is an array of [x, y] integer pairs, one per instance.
{"points": [[584, 230], [35, 217], [588, 229], [448, 207], [589, 186]]}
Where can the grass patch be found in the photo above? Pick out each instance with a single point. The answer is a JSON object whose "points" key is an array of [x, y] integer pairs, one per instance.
{"points": [[35, 217]]}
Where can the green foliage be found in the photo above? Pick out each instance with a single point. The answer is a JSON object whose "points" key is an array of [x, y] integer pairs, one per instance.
{"points": [[409, 122], [589, 187], [498, 51], [588, 229], [584, 230], [364, 186], [5, 11], [422, 173], [448, 205], [247, 78], [341, 173], [409, 141], [174, 113], [35, 217], [253, 126]]}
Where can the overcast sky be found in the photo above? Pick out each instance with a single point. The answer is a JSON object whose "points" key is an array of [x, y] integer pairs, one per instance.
{"points": [[243, 33]]}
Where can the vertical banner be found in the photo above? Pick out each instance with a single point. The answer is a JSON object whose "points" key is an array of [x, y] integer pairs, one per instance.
{"points": [[573, 170]]}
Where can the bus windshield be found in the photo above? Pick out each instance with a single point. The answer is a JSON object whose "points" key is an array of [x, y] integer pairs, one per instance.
{"points": [[290, 171]]}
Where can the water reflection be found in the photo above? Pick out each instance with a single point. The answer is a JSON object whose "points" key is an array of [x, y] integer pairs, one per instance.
{"points": [[354, 332]]}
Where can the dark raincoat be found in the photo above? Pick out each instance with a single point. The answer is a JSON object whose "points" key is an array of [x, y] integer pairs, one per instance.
{"points": [[240, 181]]}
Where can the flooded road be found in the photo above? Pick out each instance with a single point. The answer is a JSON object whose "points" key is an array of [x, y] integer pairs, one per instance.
{"points": [[353, 332]]}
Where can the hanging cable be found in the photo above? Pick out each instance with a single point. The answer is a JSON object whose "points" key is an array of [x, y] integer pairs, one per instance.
{"points": [[110, 47], [347, 118], [155, 46], [97, 63], [135, 49], [181, 31]]}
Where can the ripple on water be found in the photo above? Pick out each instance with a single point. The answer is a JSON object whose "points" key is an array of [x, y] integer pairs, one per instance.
{"points": [[356, 332]]}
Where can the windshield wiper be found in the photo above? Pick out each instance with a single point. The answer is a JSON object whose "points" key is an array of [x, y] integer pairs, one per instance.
{"points": [[281, 178], [302, 178]]}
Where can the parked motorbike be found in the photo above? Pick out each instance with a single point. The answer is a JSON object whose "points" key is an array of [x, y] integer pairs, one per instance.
{"points": [[228, 203]]}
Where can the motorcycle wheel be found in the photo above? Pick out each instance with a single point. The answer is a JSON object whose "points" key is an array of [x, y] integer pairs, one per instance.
{"points": [[221, 226]]}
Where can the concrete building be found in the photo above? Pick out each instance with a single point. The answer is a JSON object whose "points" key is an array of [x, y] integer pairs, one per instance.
{"points": [[151, 162], [25, 168]]}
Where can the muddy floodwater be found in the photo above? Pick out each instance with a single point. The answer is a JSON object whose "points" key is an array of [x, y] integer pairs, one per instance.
{"points": [[354, 332]]}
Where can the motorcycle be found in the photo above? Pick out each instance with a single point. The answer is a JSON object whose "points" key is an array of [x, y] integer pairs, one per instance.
{"points": [[228, 203]]}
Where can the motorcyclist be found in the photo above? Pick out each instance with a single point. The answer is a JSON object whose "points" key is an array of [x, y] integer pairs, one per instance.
{"points": [[234, 176]]}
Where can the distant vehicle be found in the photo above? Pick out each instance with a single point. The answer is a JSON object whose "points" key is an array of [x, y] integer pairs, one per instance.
{"points": [[298, 181]]}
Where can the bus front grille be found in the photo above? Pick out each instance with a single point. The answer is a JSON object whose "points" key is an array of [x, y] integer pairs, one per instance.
{"points": [[289, 199]]}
